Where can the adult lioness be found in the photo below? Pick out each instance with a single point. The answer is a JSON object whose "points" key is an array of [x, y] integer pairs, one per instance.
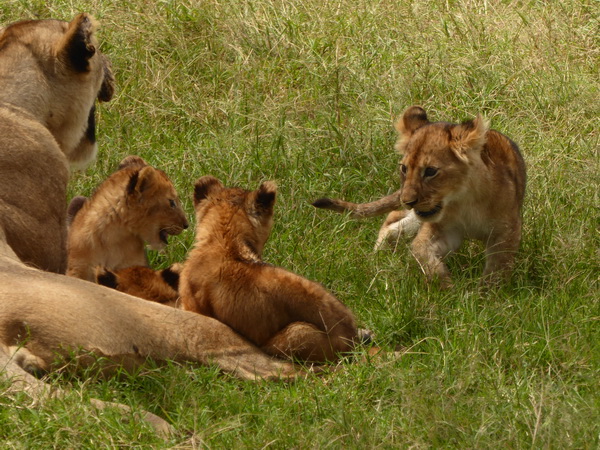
{"points": [[459, 181], [136, 204], [50, 75], [224, 277]]}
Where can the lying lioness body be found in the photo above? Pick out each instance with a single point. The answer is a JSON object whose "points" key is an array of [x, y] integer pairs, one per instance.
{"points": [[136, 204], [224, 277], [459, 181], [51, 74]]}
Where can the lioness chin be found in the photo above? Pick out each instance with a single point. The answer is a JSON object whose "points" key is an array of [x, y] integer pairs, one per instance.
{"points": [[224, 277], [459, 181]]}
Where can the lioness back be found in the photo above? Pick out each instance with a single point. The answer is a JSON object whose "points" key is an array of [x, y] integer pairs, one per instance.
{"points": [[136, 204]]}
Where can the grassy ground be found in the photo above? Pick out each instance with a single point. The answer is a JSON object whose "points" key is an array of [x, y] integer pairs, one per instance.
{"points": [[304, 92]]}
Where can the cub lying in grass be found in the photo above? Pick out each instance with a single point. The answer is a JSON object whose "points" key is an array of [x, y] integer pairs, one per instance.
{"points": [[459, 181], [160, 286], [224, 277], [136, 204]]}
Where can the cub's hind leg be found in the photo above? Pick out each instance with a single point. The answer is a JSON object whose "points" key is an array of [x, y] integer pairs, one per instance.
{"points": [[500, 252], [306, 342]]}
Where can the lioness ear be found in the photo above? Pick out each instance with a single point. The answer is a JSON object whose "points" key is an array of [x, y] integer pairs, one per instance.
{"points": [[141, 180], [79, 43], [206, 186], [413, 118], [107, 90], [264, 197], [469, 136]]}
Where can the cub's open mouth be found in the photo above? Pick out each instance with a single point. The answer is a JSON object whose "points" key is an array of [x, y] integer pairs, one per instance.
{"points": [[163, 236], [431, 212]]}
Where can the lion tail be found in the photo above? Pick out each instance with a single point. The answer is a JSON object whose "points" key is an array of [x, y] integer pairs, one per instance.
{"points": [[361, 210]]}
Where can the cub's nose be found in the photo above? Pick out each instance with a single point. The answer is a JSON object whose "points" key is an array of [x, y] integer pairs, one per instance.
{"points": [[186, 225]]}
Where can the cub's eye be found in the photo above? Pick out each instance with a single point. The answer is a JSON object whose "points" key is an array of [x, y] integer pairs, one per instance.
{"points": [[403, 169], [430, 171], [172, 203]]}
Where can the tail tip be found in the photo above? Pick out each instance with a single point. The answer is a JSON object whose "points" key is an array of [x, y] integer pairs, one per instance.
{"points": [[324, 203]]}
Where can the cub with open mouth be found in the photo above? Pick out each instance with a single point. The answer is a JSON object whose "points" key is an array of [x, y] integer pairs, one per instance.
{"points": [[137, 204]]}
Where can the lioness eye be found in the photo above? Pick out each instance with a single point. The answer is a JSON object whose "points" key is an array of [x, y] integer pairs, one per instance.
{"points": [[403, 169], [172, 203], [430, 171]]}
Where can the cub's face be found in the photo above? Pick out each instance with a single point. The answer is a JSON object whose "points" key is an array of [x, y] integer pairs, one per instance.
{"points": [[236, 214], [154, 209], [437, 161]]}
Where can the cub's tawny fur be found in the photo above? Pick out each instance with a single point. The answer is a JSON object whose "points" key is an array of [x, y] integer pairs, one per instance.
{"points": [[224, 277], [136, 204], [51, 74], [161, 286], [459, 181]]}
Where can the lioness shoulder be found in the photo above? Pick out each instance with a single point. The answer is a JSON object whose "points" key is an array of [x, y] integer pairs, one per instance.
{"points": [[459, 181], [224, 277], [135, 205]]}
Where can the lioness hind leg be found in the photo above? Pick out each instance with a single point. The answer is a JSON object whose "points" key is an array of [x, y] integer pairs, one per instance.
{"points": [[27, 360], [306, 342]]}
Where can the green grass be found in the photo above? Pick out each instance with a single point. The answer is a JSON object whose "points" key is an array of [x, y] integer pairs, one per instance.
{"points": [[304, 92]]}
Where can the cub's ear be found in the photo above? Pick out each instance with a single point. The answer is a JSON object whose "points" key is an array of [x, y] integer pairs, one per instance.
{"points": [[78, 45], [74, 206], [264, 197], [132, 161], [413, 118], [469, 136], [141, 180], [206, 186], [106, 278]]}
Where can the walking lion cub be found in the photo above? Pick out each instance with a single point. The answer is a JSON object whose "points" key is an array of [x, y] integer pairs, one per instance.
{"points": [[224, 277], [459, 181], [136, 204]]}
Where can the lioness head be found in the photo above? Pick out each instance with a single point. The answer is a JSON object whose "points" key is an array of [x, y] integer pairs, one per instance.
{"points": [[153, 208], [53, 71], [437, 160], [236, 214]]}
